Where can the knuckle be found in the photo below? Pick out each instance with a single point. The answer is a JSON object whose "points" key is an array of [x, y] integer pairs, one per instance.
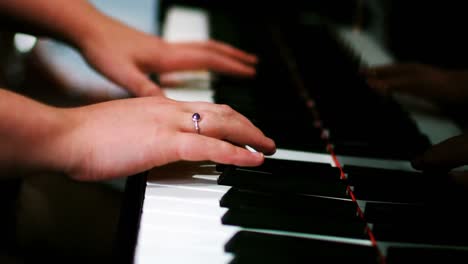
{"points": [[226, 110], [207, 44], [183, 150]]}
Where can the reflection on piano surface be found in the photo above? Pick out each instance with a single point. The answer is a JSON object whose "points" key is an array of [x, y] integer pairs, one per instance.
{"points": [[340, 186]]}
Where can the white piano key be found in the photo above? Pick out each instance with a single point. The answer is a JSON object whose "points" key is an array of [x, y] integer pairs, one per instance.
{"points": [[189, 94], [187, 24], [195, 197], [365, 46], [181, 220], [302, 156], [185, 174], [163, 237]]}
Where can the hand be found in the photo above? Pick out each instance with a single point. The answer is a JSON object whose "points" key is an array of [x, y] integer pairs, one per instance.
{"points": [[123, 137], [126, 56], [444, 87], [445, 156]]}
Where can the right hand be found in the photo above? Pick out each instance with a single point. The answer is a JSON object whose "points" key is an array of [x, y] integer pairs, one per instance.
{"points": [[446, 156], [126, 56], [441, 86], [124, 137]]}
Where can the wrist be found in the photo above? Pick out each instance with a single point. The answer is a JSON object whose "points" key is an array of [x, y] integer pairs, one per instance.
{"points": [[86, 28], [49, 149], [32, 136]]}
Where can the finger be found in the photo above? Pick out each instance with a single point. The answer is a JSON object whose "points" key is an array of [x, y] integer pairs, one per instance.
{"points": [[193, 147], [446, 155], [133, 79], [190, 58], [460, 177], [169, 80], [390, 70], [379, 85], [417, 85], [395, 84], [222, 122], [223, 49]]}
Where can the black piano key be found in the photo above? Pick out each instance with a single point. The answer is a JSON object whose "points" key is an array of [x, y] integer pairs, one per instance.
{"points": [[322, 171], [379, 148], [364, 174], [255, 247], [387, 185], [437, 212], [314, 183], [388, 194], [398, 212], [447, 232], [221, 167], [311, 224], [293, 166], [289, 203], [403, 255]]}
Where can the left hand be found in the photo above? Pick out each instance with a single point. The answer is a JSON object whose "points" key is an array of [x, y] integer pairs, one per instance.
{"points": [[126, 56], [123, 137]]}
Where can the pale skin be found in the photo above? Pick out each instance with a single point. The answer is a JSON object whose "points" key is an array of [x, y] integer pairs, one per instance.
{"points": [[121, 137], [447, 88], [123, 54]]}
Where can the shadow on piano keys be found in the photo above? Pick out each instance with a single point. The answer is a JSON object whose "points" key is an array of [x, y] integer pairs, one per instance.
{"points": [[311, 201]]}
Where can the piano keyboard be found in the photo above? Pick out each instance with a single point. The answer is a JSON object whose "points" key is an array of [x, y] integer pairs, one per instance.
{"points": [[329, 193]]}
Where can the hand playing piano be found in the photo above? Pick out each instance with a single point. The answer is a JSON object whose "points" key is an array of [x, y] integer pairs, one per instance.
{"points": [[123, 54], [127, 56], [124, 137], [446, 156], [441, 86], [448, 89]]}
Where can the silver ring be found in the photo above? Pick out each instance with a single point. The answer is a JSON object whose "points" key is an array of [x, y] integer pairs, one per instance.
{"points": [[196, 118]]}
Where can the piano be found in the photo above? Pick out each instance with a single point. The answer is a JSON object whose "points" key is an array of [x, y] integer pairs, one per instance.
{"points": [[340, 186]]}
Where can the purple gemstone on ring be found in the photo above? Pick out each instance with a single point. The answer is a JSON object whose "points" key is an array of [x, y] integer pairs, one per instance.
{"points": [[196, 117]]}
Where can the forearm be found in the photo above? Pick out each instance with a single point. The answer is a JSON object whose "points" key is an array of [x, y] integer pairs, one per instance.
{"points": [[29, 134], [67, 20]]}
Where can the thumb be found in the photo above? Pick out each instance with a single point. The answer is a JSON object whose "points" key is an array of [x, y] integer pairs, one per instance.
{"points": [[445, 155], [150, 89]]}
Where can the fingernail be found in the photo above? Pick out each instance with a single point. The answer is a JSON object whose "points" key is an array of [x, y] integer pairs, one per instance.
{"points": [[258, 155]]}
